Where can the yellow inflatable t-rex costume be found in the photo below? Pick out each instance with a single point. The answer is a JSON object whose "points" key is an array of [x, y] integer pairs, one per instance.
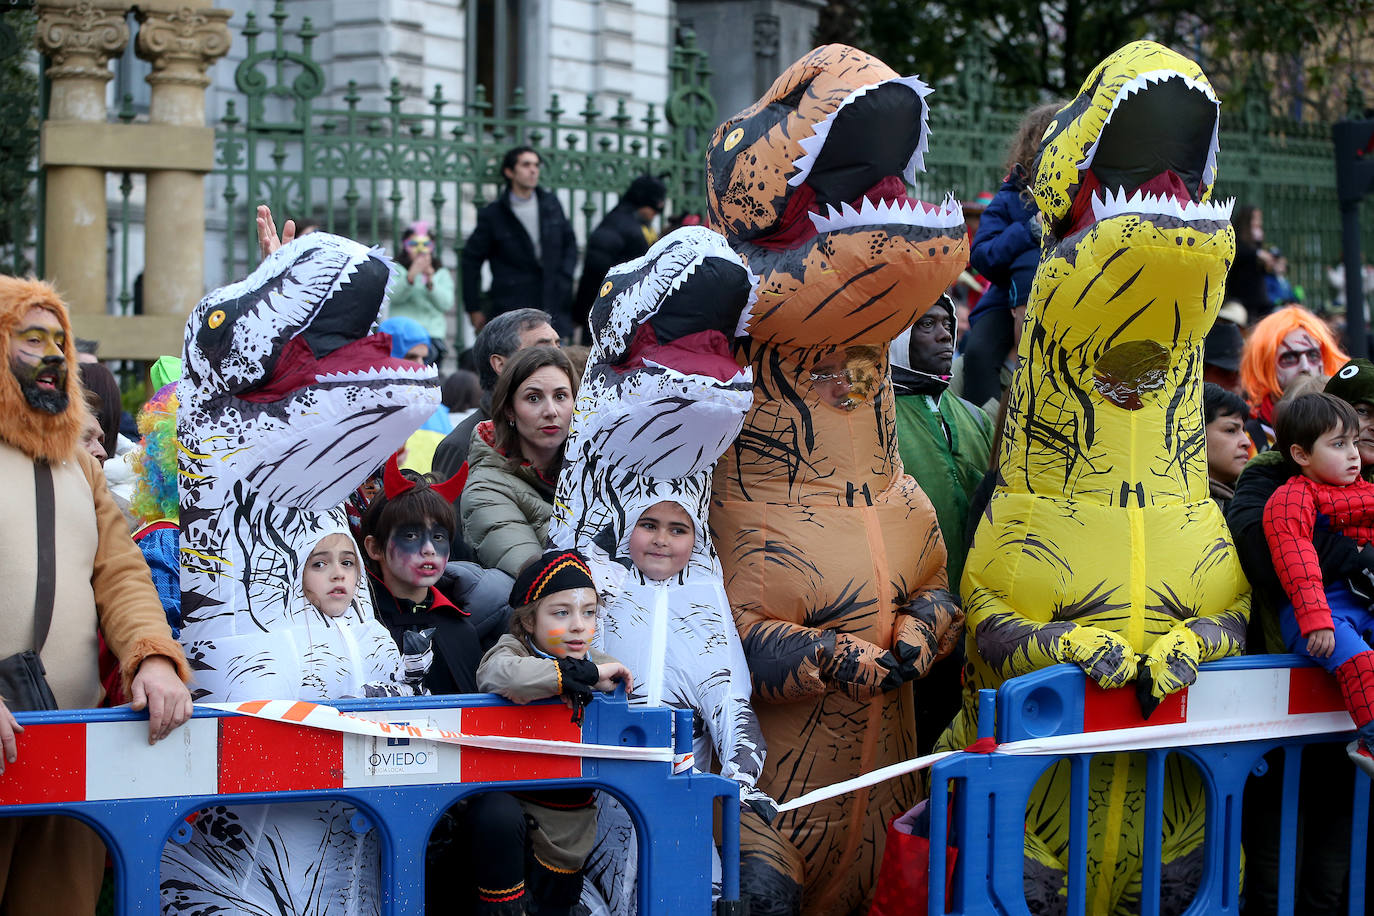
{"points": [[832, 558], [1100, 545]]}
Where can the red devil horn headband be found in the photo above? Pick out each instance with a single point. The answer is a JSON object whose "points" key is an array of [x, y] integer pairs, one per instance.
{"points": [[394, 482], [452, 488]]}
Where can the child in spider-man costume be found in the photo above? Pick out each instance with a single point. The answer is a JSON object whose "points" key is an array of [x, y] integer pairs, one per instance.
{"points": [[1318, 433]]}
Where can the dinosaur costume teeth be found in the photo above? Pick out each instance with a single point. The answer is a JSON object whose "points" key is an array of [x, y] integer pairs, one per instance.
{"points": [[1117, 204], [1100, 545], [821, 131]]}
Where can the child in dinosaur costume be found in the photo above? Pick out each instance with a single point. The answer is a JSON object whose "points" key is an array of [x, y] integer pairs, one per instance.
{"points": [[287, 402], [1100, 545], [832, 557], [661, 399]]}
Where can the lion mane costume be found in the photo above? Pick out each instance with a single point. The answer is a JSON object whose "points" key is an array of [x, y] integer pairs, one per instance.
{"points": [[832, 557], [42, 436], [1100, 545]]}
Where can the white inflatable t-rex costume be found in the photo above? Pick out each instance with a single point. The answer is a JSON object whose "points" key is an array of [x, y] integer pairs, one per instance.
{"points": [[287, 402]]}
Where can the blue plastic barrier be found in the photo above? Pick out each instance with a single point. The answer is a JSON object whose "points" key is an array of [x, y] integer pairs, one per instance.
{"points": [[984, 796], [673, 814]]}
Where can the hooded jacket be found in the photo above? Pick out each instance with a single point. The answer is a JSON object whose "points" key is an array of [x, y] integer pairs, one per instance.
{"points": [[945, 443], [1005, 251], [100, 577]]}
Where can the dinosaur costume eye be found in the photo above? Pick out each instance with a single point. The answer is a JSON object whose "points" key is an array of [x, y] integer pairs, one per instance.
{"points": [[216, 319], [733, 139]]}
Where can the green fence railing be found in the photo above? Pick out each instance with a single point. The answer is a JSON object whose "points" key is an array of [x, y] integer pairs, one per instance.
{"points": [[367, 172]]}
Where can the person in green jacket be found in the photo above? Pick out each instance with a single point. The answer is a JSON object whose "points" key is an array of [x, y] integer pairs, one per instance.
{"points": [[945, 443], [425, 292]]}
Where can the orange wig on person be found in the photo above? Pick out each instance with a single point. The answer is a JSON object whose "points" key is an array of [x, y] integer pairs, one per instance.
{"points": [[1259, 361]]}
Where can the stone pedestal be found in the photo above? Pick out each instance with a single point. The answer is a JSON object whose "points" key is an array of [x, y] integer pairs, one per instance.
{"points": [[748, 43], [181, 40], [79, 37]]}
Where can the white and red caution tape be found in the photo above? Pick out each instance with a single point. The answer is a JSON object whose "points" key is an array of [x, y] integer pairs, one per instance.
{"points": [[315, 715], [1221, 707]]}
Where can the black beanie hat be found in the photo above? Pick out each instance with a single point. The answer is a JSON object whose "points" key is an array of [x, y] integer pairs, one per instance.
{"points": [[555, 571]]}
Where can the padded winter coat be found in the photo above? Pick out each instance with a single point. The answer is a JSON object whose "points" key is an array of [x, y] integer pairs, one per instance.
{"points": [[505, 512]]}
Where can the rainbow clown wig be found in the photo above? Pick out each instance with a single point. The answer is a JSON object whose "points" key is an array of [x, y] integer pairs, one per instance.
{"points": [[155, 460], [1259, 363]]}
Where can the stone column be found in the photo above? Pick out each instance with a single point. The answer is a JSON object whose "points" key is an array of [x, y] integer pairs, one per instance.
{"points": [[181, 40], [79, 37], [749, 42]]}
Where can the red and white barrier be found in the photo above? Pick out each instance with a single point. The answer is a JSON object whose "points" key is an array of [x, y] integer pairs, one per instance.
{"points": [[1221, 707], [275, 746]]}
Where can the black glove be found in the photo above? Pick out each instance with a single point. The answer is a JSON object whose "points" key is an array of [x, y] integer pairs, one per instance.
{"points": [[901, 662], [579, 676]]}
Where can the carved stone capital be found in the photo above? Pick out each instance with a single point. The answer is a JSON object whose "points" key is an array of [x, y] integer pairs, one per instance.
{"points": [[182, 43], [80, 36], [767, 30]]}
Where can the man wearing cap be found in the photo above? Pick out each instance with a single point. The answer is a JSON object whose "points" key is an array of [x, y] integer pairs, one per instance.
{"points": [[624, 234], [945, 443], [1325, 781], [1221, 351]]}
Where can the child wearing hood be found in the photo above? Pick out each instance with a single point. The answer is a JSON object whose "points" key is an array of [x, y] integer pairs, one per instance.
{"points": [[669, 620]]}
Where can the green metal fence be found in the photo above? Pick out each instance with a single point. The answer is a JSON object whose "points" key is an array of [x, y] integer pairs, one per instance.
{"points": [[366, 172], [372, 165]]}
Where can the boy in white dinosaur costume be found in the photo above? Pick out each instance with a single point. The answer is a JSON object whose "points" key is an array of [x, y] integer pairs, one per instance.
{"points": [[287, 402]]}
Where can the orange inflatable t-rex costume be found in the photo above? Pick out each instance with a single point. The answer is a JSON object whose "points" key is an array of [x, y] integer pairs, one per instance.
{"points": [[832, 557]]}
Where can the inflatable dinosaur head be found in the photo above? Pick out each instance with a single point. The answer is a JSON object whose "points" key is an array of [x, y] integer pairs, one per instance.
{"points": [[1140, 137], [284, 387], [809, 186], [662, 396], [669, 395]]}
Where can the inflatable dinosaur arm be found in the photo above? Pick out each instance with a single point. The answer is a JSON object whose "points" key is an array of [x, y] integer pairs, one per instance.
{"points": [[790, 662], [1172, 660], [1012, 644], [928, 628]]}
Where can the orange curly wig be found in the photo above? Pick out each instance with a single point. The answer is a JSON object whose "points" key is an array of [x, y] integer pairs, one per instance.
{"points": [[1259, 361], [40, 435]]}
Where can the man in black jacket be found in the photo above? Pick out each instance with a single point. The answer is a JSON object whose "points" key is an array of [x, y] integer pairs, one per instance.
{"points": [[529, 244], [623, 235]]}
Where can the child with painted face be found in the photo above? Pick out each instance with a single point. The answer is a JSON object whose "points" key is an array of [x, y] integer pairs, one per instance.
{"points": [[535, 863], [407, 531], [548, 651]]}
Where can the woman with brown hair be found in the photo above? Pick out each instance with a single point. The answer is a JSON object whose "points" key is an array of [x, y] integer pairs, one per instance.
{"points": [[1006, 251], [515, 458]]}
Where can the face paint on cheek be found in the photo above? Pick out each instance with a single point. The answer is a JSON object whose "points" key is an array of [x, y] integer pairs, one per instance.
{"points": [[554, 638]]}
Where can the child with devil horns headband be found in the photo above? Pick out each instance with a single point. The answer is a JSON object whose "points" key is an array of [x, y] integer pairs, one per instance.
{"points": [[407, 532]]}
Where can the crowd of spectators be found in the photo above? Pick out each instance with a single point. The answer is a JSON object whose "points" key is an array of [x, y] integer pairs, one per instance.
{"points": [[507, 415]]}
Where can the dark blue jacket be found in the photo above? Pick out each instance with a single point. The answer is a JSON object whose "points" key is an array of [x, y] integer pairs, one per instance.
{"points": [[1006, 250]]}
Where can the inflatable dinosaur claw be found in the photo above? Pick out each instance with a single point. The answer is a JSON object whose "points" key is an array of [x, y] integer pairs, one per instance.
{"points": [[1103, 655], [1169, 666]]}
